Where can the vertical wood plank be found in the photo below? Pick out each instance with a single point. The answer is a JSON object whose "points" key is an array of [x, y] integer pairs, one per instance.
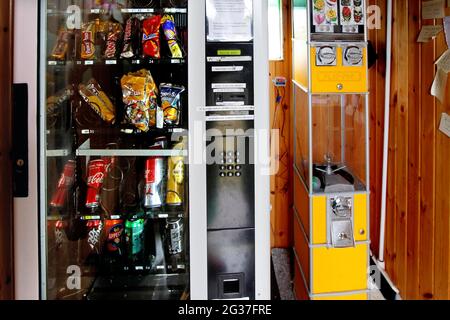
{"points": [[6, 260], [373, 107], [442, 227], [282, 119], [427, 172], [414, 149], [391, 239], [401, 129]]}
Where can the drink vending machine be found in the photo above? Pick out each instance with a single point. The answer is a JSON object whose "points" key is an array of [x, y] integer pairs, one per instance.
{"points": [[331, 182], [149, 123]]}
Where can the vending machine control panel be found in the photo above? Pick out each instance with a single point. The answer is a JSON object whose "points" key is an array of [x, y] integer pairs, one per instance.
{"points": [[230, 146]]}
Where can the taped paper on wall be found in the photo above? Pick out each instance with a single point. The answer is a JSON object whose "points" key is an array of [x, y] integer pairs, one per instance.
{"points": [[433, 9], [439, 85], [443, 62], [229, 20], [445, 124], [447, 30], [429, 32]]}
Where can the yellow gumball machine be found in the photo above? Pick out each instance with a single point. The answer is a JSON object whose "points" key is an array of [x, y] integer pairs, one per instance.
{"points": [[331, 183]]}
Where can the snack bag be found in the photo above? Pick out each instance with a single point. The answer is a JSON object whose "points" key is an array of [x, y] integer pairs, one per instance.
{"points": [[139, 93], [150, 37], [170, 32], [171, 102], [97, 99]]}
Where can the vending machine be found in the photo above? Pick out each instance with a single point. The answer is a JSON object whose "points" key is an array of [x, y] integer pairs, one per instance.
{"points": [[144, 180], [331, 182]]}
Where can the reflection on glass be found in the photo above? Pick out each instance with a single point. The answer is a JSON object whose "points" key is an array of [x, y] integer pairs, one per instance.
{"points": [[116, 105], [339, 143]]}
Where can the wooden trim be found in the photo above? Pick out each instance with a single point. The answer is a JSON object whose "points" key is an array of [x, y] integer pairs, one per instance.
{"points": [[6, 198]]}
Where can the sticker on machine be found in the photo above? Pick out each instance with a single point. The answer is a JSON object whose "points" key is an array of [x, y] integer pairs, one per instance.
{"points": [[325, 15], [229, 86], [228, 69], [353, 56], [352, 12], [326, 56], [231, 103], [229, 90]]}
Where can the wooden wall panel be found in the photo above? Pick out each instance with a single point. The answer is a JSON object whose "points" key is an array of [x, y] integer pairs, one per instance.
{"points": [[418, 221], [417, 244], [282, 119], [6, 261]]}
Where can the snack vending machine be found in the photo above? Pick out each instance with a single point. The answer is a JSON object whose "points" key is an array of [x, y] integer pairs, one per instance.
{"points": [[125, 91], [331, 182]]}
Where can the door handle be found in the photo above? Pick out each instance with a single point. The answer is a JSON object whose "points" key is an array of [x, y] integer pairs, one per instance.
{"points": [[20, 140]]}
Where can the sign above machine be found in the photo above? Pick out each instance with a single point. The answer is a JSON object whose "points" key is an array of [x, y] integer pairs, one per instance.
{"points": [[229, 20]]}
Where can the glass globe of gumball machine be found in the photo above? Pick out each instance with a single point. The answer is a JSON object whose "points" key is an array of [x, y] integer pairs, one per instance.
{"points": [[330, 89]]}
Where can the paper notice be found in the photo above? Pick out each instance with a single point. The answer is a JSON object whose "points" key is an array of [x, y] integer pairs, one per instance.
{"points": [[447, 30], [428, 33], [230, 20], [443, 62], [433, 9], [439, 85], [445, 124]]}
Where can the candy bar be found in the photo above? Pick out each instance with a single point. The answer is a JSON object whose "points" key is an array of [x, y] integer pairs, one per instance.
{"points": [[97, 99], [170, 32], [60, 50]]}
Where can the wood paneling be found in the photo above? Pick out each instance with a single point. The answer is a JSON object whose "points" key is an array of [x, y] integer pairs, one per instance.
{"points": [[418, 217], [6, 261], [282, 119], [417, 250]]}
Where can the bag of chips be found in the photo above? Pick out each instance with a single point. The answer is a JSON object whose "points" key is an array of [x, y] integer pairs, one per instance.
{"points": [[150, 37], [139, 93]]}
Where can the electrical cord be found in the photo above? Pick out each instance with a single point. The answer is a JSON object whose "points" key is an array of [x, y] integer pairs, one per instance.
{"points": [[283, 158]]}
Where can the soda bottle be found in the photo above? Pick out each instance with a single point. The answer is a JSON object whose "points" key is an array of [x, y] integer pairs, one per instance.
{"points": [[135, 236], [96, 176], [110, 190], [114, 244], [65, 184]]}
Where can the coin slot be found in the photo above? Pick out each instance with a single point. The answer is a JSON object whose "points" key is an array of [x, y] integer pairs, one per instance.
{"points": [[231, 286]]}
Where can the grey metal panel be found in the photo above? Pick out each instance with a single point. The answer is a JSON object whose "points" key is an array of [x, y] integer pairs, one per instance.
{"points": [[197, 166], [263, 150], [230, 200], [43, 160], [231, 254]]}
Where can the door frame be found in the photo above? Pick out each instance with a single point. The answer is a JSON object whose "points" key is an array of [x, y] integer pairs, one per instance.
{"points": [[6, 180]]}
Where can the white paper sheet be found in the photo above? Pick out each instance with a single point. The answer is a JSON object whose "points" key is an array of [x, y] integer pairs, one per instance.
{"points": [[229, 20], [439, 85], [429, 32], [445, 124], [433, 9]]}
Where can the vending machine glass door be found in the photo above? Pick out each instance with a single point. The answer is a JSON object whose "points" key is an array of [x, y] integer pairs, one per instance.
{"points": [[114, 192]]}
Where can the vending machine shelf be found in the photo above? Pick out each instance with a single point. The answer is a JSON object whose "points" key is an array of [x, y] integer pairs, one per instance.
{"points": [[151, 287], [85, 151], [115, 62], [58, 153]]}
